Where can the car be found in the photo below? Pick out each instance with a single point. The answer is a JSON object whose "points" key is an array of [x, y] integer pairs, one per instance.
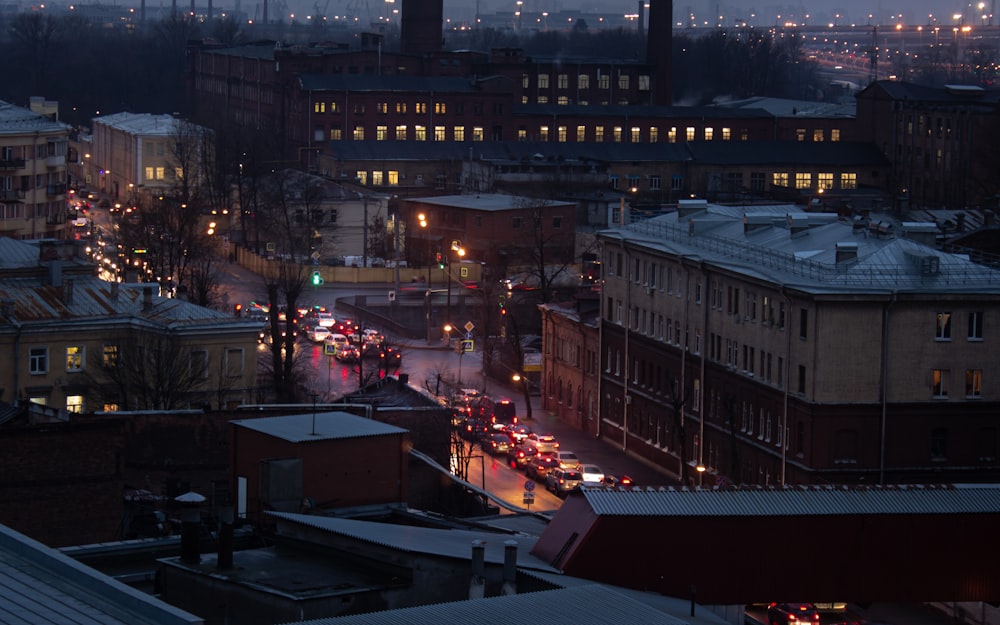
{"points": [[474, 429], [592, 474], [324, 318], [542, 442], [390, 358], [519, 456], [349, 353], [792, 613], [318, 334], [561, 481], [495, 443], [567, 459], [539, 466], [517, 433]]}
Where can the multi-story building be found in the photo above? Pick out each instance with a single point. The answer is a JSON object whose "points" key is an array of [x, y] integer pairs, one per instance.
{"points": [[33, 176], [772, 346], [571, 358], [941, 142], [140, 155], [80, 344]]}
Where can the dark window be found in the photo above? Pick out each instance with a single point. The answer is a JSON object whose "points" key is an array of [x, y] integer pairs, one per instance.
{"points": [[939, 444], [803, 323]]}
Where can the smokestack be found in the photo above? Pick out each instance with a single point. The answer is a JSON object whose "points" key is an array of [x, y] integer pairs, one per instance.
{"points": [[190, 521], [659, 49], [421, 26], [225, 557], [147, 299], [477, 585], [509, 568]]}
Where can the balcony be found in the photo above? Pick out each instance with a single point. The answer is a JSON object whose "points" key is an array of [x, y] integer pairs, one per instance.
{"points": [[11, 195], [8, 164], [55, 161], [55, 189]]}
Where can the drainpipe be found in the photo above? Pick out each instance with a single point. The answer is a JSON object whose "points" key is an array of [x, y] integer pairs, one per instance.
{"points": [[884, 390]]}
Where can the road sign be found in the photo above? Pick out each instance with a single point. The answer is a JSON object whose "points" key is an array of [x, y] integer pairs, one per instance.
{"points": [[468, 335], [529, 486], [529, 497], [315, 255], [468, 346], [329, 349], [392, 296], [469, 326]]}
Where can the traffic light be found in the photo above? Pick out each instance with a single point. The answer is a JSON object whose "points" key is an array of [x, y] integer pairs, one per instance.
{"points": [[317, 278], [238, 309], [440, 260]]}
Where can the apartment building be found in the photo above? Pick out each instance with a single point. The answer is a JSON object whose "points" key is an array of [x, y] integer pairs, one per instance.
{"points": [[76, 343], [33, 176], [770, 346], [141, 155]]}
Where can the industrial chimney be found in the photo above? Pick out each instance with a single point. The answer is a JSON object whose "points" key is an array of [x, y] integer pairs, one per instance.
{"points": [[659, 49], [421, 26]]}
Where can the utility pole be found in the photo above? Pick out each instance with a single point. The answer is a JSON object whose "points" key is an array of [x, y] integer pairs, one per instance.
{"points": [[364, 233]]}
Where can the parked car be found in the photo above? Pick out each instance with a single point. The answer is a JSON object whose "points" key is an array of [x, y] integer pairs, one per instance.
{"points": [[567, 459], [592, 474], [539, 466], [542, 442], [496, 443], [792, 613], [561, 481]]}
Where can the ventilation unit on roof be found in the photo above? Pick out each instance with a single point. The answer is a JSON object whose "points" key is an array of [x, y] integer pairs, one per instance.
{"points": [[926, 264]]}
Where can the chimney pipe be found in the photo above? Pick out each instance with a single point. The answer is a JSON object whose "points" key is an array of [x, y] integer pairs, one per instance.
{"points": [[477, 585], [68, 291], [190, 522], [509, 568], [225, 556], [115, 290], [147, 299]]}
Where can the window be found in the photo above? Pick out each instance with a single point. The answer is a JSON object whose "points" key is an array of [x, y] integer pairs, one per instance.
{"points": [[401, 132], [234, 363], [516, 223], [319, 107], [939, 382], [543, 133], [803, 180], [709, 134], [583, 81], [377, 177], [654, 182], [943, 330], [111, 358], [525, 81], [562, 81], [336, 133], [543, 81], [381, 133], [818, 135], [727, 134], [623, 81], [757, 181], [359, 108], [635, 134], [38, 360], [603, 81], [835, 134], [973, 383], [359, 133], [459, 133], [802, 379], [803, 323], [477, 133], [420, 107], [440, 108], [689, 133], [780, 179], [392, 178], [824, 180], [420, 133], [643, 82], [335, 107], [848, 181], [361, 177], [976, 325], [382, 107], [616, 134], [439, 133], [599, 134], [581, 134], [654, 134], [939, 444], [74, 358], [800, 134], [199, 364], [74, 403]]}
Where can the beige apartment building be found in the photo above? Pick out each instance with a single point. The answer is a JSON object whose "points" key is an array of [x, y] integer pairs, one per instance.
{"points": [[769, 346], [33, 183], [76, 343], [141, 155]]}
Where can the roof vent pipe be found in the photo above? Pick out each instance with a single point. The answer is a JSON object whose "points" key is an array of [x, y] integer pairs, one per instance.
{"points": [[477, 585], [509, 568]]}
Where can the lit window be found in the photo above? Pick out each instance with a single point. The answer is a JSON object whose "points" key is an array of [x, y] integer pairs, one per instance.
{"points": [[780, 179], [824, 180], [382, 107], [377, 177], [334, 107], [672, 135], [74, 403], [401, 107], [381, 133], [525, 81], [522, 134], [803, 180], [74, 358], [543, 81], [709, 134], [689, 132], [543, 133], [458, 133], [420, 107], [800, 134], [623, 81], [361, 177], [563, 81], [940, 383], [974, 383], [599, 134], [336, 133], [848, 181], [420, 133], [359, 133], [111, 358], [654, 134], [603, 81], [583, 81], [477, 133], [401, 132], [319, 107], [393, 178], [581, 133], [834, 134], [727, 134], [440, 108], [562, 100], [943, 329], [818, 135], [636, 134], [617, 134], [561, 134], [440, 133], [643, 82]]}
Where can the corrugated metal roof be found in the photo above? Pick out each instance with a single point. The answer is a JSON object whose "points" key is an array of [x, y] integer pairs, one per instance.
{"points": [[143, 124], [487, 201], [450, 543], [592, 604], [16, 254], [16, 120], [321, 426], [726, 237], [41, 586], [93, 301], [797, 501]]}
